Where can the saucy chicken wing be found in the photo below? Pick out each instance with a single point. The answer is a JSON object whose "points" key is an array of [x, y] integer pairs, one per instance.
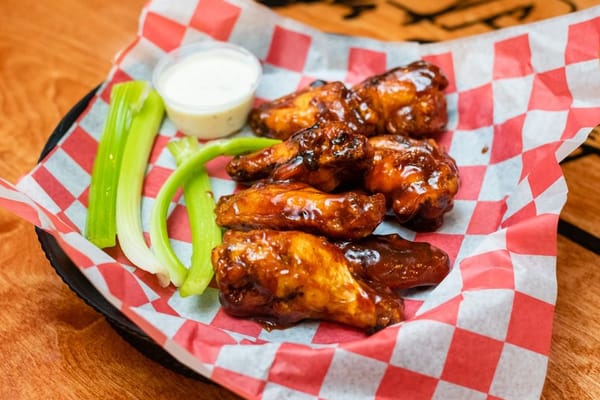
{"points": [[324, 156], [280, 278], [329, 101], [417, 177], [298, 206], [407, 100], [395, 262]]}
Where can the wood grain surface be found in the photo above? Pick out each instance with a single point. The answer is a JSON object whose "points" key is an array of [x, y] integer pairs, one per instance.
{"points": [[53, 346]]}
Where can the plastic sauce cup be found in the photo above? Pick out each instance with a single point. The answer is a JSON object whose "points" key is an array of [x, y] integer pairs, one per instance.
{"points": [[208, 87]]}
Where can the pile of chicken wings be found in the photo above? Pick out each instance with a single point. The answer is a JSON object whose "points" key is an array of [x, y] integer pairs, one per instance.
{"points": [[299, 242]]}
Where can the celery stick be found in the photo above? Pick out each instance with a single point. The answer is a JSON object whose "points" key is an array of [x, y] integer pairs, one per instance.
{"points": [[144, 127], [200, 204], [158, 220], [125, 100]]}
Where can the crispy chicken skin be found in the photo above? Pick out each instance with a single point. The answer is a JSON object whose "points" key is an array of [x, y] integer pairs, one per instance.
{"points": [[395, 262], [418, 178], [331, 101], [298, 206], [282, 277], [406, 100], [324, 156]]}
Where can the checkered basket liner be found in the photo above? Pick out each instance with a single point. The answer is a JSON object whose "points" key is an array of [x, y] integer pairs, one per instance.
{"points": [[520, 100]]}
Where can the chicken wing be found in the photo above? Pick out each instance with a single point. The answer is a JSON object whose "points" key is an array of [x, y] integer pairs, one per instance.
{"points": [[324, 156], [331, 101], [407, 100], [298, 206], [395, 262], [417, 177], [280, 278]]}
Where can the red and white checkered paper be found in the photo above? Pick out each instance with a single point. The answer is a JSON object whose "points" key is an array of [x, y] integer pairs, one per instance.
{"points": [[520, 100]]}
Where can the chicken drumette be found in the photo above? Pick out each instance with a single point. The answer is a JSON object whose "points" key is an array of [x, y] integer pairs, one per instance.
{"points": [[322, 102], [323, 156], [407, 100], [418, 178], [396, 263], [282, 277], [298, 206]]}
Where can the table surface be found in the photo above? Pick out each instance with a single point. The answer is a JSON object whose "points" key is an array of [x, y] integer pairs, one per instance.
{"points": [[52, 53]]}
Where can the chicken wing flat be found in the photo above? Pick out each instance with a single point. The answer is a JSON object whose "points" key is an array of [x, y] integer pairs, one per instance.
{"points": [[298, 206], [324, 156], [395, 262], [331, 101], [282, 277], [407, 100], [418, 178]]}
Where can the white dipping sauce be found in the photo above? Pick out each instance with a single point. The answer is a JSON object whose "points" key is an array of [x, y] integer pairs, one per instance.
{"points": [[208, 88]]}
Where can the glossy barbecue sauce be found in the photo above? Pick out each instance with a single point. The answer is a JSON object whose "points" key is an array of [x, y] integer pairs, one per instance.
{"points": [[277, 278], [395, 262], [417, 177]]}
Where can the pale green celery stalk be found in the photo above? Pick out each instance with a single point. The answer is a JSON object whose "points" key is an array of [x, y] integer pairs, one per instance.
{"points": [[158, 220], [143, 131], [125, 100], [200, 205]]}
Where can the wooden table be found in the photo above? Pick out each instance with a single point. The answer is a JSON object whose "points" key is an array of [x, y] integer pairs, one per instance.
{"points": [[52, 345]]}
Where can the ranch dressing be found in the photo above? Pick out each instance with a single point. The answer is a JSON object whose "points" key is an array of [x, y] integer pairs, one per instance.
{"points": [[208, 88]]}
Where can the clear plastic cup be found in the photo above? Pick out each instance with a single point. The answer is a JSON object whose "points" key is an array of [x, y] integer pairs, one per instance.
{"points": [[208, 87]]}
